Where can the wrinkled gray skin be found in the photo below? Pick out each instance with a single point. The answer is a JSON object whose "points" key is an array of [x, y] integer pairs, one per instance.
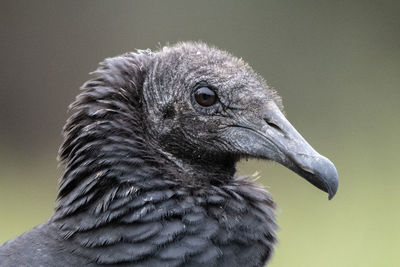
{"points": [[150, 174], [246, 121]]}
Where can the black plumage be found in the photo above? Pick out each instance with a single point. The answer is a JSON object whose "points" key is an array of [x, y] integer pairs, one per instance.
{"points": [[150, 152]]}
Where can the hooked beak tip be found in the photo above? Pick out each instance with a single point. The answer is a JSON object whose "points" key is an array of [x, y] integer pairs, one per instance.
{"points": [[326, 173], [333, 183], [319, 171]]}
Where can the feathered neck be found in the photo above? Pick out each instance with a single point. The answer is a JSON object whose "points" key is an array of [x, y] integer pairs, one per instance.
{"points": [[104, 139]]}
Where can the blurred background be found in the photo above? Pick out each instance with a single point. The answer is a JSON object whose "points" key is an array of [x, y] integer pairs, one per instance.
{"points": [[336, 65]]}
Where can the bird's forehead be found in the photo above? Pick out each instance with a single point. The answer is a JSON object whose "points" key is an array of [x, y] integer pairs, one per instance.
{"points": [[206, 60], [194, 63]]}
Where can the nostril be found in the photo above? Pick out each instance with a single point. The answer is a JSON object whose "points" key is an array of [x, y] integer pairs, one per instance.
{"points": [[273, 125]]}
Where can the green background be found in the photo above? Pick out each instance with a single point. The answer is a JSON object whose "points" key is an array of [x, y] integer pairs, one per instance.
{"points": [[336, 65]]}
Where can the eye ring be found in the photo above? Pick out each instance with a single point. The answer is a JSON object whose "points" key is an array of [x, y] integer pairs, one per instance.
{"points": [[205, 96]]}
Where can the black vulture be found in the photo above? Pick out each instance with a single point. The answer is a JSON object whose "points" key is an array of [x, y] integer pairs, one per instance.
{"points": [[150, 152]]}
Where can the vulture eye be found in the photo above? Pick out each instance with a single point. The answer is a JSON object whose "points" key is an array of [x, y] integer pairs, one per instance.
{"points": [[205, 96]]}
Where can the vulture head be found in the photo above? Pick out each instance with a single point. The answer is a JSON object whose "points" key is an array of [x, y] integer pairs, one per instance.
{"points": [[152, 144], [207, 109]]}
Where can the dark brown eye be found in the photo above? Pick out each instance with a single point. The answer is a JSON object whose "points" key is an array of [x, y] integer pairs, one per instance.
{"points": [[205, 96]]}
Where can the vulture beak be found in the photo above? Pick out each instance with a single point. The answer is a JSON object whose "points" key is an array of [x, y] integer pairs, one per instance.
{"points": [[276, 139]]}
